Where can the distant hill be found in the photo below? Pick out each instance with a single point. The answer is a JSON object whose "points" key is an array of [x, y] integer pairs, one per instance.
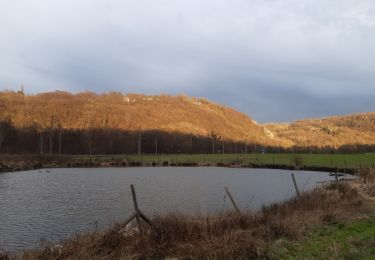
{"points": [[332, 131], [131, 112], [179, 114]]}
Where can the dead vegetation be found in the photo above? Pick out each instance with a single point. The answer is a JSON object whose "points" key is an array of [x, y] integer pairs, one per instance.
{"points": [[226, 235], [366, 185], [345, 132]]}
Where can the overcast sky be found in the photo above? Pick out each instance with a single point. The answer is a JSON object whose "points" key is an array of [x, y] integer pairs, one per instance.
{"points": [[276, 60]]}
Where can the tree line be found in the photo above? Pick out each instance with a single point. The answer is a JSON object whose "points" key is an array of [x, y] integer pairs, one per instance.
{"points": [[104, 141]]}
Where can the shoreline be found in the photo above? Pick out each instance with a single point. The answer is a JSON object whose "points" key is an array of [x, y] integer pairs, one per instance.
{"points": [[271, 232], [343, 163], [14, 163]]}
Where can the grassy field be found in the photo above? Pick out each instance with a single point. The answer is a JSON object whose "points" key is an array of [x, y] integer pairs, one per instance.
{"points": [[353, 240], [288, 159]]}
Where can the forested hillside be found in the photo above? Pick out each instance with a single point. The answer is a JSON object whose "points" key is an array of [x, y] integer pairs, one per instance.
{"points": [[61, 122], [129, 112], [339, 132], [118, 119]]}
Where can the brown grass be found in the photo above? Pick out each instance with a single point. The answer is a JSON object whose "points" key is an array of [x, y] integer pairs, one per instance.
{"points": [[366, 184], [224, 236]]}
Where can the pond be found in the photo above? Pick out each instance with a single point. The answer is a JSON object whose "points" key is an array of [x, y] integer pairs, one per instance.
{"points": [[53, 204]]}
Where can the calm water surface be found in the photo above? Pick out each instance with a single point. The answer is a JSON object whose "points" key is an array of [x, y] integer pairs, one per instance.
{"points": [[53, 204]]}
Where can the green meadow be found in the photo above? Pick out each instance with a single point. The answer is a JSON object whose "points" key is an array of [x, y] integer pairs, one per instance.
{"points": [[352, 240], [287, 159]]}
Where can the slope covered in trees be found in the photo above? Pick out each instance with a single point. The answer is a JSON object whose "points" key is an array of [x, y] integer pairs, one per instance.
{"points": [[126, 123], [337, 132], [113, 122], [130, 112]]}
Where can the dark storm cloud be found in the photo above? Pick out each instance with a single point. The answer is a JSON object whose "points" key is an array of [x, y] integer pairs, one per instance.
{"points": [[275, 60]]}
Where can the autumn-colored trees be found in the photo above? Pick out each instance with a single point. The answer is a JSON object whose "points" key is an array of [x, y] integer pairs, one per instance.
{"points": [[88, 123]]}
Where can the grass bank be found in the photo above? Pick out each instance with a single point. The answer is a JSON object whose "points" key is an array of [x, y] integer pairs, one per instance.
{"points": [[286, 159], [344, 240], [323, 162], [319, 223]]}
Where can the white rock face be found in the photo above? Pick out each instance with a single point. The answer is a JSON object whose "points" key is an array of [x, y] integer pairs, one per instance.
{"points": [[269, 133]]}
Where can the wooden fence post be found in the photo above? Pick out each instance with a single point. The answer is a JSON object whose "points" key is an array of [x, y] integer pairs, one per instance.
{"points": [[3, 255], [295, 185], [336, 176], [232, 200], [138, 214]]}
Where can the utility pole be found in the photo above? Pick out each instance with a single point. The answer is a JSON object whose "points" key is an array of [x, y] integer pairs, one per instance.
{"points": [[50, 137], [223, 146]]}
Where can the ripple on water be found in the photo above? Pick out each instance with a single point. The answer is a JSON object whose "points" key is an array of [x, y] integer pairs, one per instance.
{"points": [[50, 206]]}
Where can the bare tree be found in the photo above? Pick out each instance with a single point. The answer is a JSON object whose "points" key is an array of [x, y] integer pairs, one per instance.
{"points": [[156, 144], [214, 138], [50, 136], [4, 130], [139, 143]]}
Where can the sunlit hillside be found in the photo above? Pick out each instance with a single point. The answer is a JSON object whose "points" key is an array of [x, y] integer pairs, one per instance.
{"points": [[131, 112], [333, 131], [179, 114]]}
